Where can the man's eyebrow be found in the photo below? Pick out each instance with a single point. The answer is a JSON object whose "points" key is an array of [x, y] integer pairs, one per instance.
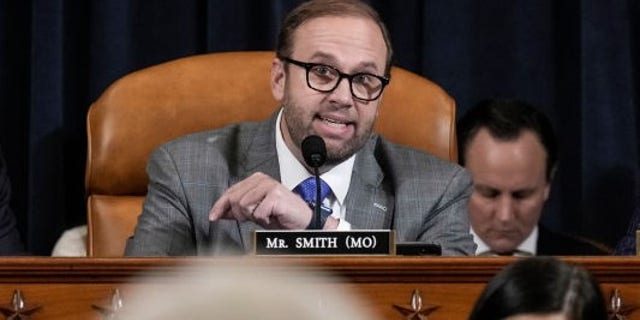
{"points": [[333, 62], [324, 56], [485, 187]]}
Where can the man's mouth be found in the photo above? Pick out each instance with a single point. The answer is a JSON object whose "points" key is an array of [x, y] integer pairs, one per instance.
{"points": [[334, 122]]}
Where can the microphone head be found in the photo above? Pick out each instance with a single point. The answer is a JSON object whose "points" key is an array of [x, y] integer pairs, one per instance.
{"points": [[314, 151]]}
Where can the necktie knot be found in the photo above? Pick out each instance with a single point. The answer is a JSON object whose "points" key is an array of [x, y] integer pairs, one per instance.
{"points": [[307, 189]]}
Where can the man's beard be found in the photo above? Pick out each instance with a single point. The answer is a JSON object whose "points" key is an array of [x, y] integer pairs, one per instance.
{"points": [[298, 132]]}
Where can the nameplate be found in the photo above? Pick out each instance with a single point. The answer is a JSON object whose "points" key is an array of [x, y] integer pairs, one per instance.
{"points": [[319, 242]]}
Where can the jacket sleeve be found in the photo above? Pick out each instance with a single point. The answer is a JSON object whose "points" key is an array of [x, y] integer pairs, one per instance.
{"points": [[447, 224], [165, 227]]}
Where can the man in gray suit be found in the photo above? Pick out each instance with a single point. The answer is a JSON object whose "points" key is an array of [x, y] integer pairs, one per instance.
{"points": [[209, 191]]}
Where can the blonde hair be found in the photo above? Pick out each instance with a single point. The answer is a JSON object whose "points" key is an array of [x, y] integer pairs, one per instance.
{"points": [[245, 292]]}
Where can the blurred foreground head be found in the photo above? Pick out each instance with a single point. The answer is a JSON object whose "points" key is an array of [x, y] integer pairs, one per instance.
{"points": [[245, 292], [541, 288]]}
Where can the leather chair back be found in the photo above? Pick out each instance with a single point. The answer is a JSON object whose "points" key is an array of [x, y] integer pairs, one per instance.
{"points": [[148, 107]]}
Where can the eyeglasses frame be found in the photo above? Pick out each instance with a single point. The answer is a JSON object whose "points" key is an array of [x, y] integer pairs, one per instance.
{"points": [[341, 75]]}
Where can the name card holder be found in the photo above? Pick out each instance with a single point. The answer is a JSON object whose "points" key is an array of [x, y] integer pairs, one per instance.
{"points": [[320, 242]]}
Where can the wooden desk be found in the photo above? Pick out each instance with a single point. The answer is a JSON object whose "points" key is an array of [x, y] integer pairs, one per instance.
{"points": [[68, 288]]}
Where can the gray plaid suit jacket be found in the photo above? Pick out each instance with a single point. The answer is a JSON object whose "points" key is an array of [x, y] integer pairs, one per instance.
{"points": [[392, 187]]}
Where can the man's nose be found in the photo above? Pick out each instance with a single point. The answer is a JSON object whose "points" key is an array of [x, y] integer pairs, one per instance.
{"points": [[505, 208], [342, 93]]}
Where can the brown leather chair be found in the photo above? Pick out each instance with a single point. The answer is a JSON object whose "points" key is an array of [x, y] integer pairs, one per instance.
{"points": [[146, 108]]}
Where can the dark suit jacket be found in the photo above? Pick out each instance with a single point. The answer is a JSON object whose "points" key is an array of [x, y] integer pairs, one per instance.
{"points": [[552, 243], [626, 246], [10, 243], [392, 187]]}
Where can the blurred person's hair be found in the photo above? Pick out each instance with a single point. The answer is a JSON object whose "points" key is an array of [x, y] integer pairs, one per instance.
{"points": [[264, 292], [541, 285]]}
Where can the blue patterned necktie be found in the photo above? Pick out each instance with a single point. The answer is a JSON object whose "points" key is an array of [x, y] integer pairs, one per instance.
{"points": [[307, 190]]}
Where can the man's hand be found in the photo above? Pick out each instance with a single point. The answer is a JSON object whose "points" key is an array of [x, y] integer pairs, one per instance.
{"points": [[265, 201]]}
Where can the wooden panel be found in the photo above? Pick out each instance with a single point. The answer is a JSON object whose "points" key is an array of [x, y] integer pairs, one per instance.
{"points": [[67, 288]]}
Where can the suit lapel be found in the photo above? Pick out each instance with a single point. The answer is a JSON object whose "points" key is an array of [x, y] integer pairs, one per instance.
{"points": [[258, 151], [369, 202], [258, 154]]}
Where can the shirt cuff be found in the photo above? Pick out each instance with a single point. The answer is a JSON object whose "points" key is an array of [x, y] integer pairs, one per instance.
{"points": [[343, 225]]}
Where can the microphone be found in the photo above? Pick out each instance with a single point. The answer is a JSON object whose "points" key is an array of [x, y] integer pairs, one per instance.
{"points": [[314, 152]]}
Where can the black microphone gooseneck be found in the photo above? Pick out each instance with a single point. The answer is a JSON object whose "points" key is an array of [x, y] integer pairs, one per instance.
{"points": [[314, 152]]}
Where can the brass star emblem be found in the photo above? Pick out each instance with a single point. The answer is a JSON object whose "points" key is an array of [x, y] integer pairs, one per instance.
{"points": [[416, 311], [111, 312], [617, 309], [18, 309]]}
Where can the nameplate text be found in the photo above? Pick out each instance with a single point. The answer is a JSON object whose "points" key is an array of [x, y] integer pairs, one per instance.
{"points": [[319, 242]]}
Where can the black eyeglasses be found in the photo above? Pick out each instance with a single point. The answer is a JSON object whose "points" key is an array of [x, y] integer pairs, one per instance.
{"points": [[321, 77]]}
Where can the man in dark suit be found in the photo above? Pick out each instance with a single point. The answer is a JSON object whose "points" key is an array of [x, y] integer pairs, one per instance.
{"points": [[626, 246], [209, 191], [509, 148], [10, 243]]}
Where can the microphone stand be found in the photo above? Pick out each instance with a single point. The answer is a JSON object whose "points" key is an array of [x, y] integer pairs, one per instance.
{"points": [[317, 208], [315, 154]]}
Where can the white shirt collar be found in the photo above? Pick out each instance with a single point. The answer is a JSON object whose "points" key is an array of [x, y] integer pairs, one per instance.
{"points": [[529, 245], [292, 172]]}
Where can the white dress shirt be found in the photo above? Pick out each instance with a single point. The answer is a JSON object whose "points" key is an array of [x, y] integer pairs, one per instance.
{"points": [[292, 172], [527, 248]]}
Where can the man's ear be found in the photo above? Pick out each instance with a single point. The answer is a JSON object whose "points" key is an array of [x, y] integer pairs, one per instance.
{"points": [[278, 79], [552, 174]]}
